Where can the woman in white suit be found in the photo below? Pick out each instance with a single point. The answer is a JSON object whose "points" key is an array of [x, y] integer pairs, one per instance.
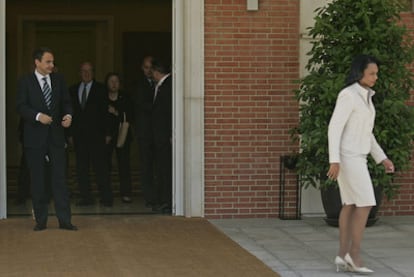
{"points": [[350, 141]]}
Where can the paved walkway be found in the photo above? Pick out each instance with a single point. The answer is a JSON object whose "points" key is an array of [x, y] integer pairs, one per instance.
{"points": [[308, 247]]}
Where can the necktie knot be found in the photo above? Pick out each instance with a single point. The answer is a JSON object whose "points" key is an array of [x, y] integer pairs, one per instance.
{"points": [[151, 83]]}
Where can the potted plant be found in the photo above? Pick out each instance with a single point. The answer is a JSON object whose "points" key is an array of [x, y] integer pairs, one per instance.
{"points": [[343, 29]]}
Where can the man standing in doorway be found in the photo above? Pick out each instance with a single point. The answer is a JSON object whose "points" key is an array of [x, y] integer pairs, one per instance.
{"points": [[43, 102], [162, 133], [89, 134], [143, 99]]}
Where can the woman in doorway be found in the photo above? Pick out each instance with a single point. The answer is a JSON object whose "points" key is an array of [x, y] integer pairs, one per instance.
{"points": [[350, 141], [120, 110]]}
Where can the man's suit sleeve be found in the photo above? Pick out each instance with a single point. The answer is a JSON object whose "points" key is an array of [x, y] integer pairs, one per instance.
{"points": [[169, 107], [22, 100], [71, 94]]}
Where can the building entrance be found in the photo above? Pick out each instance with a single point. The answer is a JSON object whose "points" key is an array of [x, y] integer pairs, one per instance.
{"points": [[114, 36]]}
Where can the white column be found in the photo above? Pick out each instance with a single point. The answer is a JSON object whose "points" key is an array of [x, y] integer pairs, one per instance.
{"points": [[3, 187], [178, 85], [194, 108], [188, 112], [311, 197]]}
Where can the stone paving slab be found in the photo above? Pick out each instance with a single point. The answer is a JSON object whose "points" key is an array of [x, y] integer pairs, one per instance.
{"points": [[307, 247]]}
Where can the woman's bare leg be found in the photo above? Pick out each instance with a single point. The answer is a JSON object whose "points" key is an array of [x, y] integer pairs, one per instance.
{"points": [[345, 231], [359, 221]]}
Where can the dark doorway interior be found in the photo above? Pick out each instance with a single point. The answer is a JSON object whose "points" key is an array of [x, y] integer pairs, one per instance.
{"points": [[136, 45], [117, 34]]}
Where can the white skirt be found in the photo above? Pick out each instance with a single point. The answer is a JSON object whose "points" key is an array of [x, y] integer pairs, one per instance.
{"points": [[355, 185]]}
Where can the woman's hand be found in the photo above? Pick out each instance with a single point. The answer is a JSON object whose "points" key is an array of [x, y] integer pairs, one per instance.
{"points": [[388, 165], [333, 171]]}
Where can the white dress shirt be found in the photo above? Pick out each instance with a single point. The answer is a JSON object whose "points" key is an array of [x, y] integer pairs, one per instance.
{"points": [[40, 79], [81, 88], [41, 83]]}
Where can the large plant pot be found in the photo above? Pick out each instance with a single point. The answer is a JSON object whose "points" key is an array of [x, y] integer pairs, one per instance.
{"points": [[290, 161], [331, 201]]}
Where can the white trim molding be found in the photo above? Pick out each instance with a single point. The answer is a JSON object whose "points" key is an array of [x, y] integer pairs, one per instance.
{"points": [[3, 168], [188, 112], [311, 199]]}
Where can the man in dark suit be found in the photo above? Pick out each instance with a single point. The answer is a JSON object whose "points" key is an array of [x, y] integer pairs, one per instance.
{"points": [[162, 133], [143, 98], [89, 134], [44, 104], [23, 177]]}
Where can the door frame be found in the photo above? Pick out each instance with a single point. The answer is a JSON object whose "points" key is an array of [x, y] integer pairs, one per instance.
{"points": [[3, 176], [188, 91], [188, 108]]}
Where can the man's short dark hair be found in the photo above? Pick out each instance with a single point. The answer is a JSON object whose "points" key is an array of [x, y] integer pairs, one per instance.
{"points": [[160, 66], [39, 52]]}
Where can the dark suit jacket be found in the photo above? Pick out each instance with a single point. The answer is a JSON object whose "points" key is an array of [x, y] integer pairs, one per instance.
{"points": [[143, 96], [30, 101], [162, 113], [91, 123]]}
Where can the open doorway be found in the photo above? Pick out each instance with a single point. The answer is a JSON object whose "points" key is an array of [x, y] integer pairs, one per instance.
{"points": [[112, 37]]}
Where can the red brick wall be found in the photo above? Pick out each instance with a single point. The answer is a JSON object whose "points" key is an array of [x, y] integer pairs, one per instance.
{"points": [[403, 203], [251, 61]]}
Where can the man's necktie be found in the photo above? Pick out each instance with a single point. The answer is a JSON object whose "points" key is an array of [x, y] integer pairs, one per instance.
{"points": [[155, 93], [47, 92], [83, 96], [151, 83]]}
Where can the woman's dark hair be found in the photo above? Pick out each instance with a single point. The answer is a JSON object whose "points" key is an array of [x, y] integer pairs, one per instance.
{"points": [[109, 75], [358, 66]]}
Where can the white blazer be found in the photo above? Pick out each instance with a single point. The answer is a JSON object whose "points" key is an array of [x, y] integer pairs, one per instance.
{"points": [[351, 125]]}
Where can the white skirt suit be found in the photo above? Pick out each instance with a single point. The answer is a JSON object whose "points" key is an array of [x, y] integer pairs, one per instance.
{"points": [[350, 141]]}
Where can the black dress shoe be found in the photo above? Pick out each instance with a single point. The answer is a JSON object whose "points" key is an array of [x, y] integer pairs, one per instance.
{"points": [[68, 226], [166, 210], [163, 209], [126, 199], [156, 208], [150, 205], [39, 227]]}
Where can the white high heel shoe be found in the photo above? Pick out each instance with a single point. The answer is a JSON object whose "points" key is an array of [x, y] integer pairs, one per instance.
{"points": [[340, 264], [354, 268]]}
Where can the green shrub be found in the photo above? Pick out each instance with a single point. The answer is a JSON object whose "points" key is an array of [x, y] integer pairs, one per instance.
{"points": [[343, 29]]}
